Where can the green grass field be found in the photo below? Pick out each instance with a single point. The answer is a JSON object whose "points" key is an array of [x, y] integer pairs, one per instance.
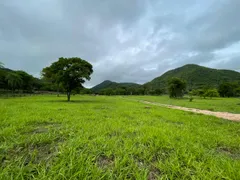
{"points": [[45, 137], [214, 104]]}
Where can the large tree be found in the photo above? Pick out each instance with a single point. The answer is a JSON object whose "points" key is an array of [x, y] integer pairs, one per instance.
{"points": [[176, 87], [71, 73]]}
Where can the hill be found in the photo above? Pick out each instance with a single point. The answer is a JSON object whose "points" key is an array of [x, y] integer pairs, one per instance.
{"points": [[113, 85], [196, 77]]}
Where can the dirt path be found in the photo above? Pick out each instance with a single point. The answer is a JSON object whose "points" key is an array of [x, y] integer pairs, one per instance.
{"points": [[224, 115]]}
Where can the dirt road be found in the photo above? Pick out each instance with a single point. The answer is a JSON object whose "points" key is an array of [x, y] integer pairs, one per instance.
{"points": [[224, 115]]}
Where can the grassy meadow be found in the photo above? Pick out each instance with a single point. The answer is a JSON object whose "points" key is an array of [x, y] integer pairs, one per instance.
{"points": [[215, 104], [98, 137]]}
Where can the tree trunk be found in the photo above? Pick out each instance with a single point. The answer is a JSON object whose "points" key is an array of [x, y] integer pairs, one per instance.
{"points": [[68, 96]]}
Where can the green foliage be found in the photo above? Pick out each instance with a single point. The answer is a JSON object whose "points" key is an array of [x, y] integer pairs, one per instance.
{"points": [[19, 80], [113, 85], [113, 88], [237, 92], [27, 80], [71, 73], [229, 89], [176, 87], [211, 93], [155, 91], [107, 91], [196, 77], [85, 91], [198, 92], [14, 81]]}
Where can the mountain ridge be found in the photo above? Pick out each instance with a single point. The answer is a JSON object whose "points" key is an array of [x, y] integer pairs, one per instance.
{"points": [[113, 85], [195, 75]]}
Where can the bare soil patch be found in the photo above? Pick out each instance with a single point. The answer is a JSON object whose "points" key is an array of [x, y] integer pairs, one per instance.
{"points": [[224, 115]]}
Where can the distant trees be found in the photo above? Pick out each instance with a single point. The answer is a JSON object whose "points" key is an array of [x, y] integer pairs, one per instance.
{"points": [[130, 91], [86, 91], [211, 93], [68, 75], [18, 80], [14, 81], [71, 73], [27, 80], [176, 87], [229, 89]]}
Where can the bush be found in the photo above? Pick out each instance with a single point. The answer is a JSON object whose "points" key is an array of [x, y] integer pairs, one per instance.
{"points": [[211, 93]]}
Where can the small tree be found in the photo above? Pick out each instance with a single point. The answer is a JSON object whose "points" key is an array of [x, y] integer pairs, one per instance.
{"points": [[176, 87], [212, 93], [70, 72]]}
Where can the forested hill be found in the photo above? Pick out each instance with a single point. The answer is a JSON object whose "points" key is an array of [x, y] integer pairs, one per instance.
{"points": [[113, 85], [196, 77]]}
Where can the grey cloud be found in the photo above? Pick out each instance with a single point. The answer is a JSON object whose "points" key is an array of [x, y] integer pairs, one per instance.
{"points": [[217, 28], [124, 40], [109, 12]]}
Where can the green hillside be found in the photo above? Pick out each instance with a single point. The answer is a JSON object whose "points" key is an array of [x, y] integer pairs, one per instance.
{"points": [[113, 85], [196, 77]]}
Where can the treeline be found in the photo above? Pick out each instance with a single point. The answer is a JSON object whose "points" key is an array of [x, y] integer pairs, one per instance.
{"points": [[176, 88], [131, 91], [22, 82], [228, 89]]}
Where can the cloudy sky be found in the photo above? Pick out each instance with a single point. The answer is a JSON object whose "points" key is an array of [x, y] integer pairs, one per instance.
{"points": [[125, 40]]}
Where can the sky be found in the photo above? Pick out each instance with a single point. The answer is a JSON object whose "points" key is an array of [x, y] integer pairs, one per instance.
{"points": [[125, 41]]}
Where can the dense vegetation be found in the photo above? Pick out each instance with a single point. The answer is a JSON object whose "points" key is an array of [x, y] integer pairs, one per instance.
{"points": [[18, 81], [21, 81], [196, 77], [200, 81], [113, 85], [176, 87], [113, 88], [99, 137]]}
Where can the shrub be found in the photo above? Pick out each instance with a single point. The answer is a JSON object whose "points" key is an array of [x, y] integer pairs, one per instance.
{"points": [[211, 93]]}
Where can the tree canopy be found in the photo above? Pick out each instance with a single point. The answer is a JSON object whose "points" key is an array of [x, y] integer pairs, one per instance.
{"points": [[176, 87], [211, 93], [71, 73], [229, 89]]}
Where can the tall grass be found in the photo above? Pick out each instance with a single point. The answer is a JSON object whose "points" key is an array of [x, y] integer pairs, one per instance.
{"points": [[45, 137]]}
